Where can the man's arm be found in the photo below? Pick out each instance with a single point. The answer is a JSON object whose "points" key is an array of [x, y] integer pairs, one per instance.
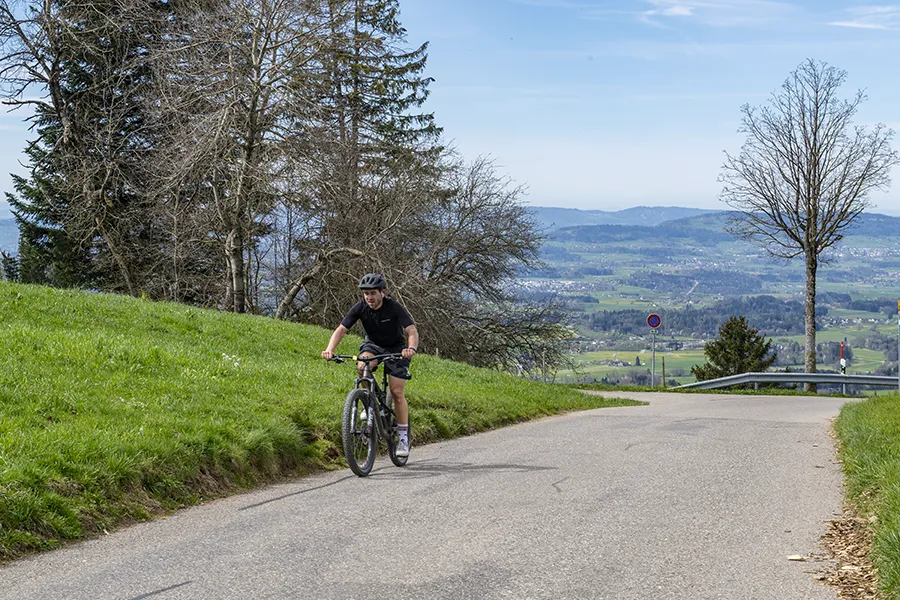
{"points": [[412, 341], [335, 340]]}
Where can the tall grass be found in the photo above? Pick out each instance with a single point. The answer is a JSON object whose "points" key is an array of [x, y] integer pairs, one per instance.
{"points": [[870, 450], [113, 409]]}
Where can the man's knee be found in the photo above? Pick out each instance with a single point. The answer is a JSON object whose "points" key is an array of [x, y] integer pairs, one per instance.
{"points": [[397, 386]]}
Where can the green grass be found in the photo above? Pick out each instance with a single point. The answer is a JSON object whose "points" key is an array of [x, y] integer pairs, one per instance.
{"points": [[831, 334], [870, 451], [113, 409], [865, 361], [591, 363]]}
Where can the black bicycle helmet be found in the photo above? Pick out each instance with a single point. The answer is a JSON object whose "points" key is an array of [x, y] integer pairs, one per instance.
{"points": [[372, 281]]}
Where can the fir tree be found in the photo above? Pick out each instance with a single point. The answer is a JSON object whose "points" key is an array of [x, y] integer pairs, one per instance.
{"points": [[85, 196], [48, 254], [367, 144], [739, 349], [9, 267], [373, 84]]}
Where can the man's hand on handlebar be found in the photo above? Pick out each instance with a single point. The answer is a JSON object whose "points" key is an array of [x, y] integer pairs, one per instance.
{"points": [[327, 354]]}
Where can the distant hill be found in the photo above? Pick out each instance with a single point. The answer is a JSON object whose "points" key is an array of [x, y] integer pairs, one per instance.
{"points": [[673, 255], [704, 226], [867, 224], [9, 235], [551, 218]]}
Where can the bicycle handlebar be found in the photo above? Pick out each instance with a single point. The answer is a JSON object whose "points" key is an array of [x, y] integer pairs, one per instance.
{"points": [[339, 358]]}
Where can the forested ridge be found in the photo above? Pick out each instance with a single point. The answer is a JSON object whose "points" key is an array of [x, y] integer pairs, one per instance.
{"points": [[772, 316]]}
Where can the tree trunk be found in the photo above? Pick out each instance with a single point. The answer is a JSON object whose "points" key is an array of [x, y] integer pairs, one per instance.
{"points": [[235, 252], [118, 257], [228, 304], [292, 292], [812, 263], [301, 281]]}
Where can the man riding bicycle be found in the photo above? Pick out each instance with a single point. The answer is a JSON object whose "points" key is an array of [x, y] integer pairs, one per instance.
{"points": [[385, 322]]}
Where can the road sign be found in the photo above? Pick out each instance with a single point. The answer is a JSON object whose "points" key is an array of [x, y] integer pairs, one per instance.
{"points": [[654, 321]]}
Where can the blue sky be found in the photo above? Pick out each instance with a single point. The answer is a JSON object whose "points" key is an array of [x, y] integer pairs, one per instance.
{"points": [[618, 103]]}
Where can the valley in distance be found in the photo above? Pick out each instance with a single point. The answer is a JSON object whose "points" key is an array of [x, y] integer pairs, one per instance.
{"points": [[614, 269]]}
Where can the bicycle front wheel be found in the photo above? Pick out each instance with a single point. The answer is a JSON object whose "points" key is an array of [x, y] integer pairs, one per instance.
{"points": [[357, 434]]}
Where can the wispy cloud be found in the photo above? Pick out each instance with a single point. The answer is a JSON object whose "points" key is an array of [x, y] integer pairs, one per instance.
{"points": [[676, 11], [872, 17], [717, 13], [663, 13]]}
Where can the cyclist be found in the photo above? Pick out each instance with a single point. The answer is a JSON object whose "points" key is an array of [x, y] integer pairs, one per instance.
{"points": [[385, 322]]}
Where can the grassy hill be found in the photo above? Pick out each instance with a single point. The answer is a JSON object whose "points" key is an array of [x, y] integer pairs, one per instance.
{"points": [[113, 409]]}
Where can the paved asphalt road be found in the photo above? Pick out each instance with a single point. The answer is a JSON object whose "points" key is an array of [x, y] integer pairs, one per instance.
{"points": [[694, 496]]}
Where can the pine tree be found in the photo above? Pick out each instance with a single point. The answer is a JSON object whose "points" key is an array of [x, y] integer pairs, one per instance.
{"points": [[373, 84], [85, 196], [739, 349], [9, 267], [48, 254], [368, 143]]}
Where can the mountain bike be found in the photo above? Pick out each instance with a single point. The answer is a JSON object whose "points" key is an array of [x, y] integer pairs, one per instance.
{"points": [[369, 415]]}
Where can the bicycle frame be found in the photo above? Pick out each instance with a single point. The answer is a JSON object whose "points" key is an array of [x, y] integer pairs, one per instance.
{"points": [[383, 416], [360, 438]]}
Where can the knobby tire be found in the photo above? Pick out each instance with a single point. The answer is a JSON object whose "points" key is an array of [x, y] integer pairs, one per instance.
{"points": [[392, 440], [360, 446]]}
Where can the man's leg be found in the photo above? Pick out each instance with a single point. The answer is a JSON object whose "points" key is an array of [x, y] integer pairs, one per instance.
{"points": [[401, 409], [360, 365]]}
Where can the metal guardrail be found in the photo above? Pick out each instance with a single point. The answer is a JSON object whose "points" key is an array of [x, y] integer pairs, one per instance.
{"points": [[824, 378]]}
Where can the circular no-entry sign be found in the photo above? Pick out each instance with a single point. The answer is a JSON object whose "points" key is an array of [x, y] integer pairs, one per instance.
{"points": [[654, 321]]}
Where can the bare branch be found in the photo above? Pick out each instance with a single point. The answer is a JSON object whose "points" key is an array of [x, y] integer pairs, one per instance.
{"points": [[804, 173]]}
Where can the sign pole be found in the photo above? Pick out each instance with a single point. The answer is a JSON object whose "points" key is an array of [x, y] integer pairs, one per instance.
{"points": [[654, 322], [843, 367]]}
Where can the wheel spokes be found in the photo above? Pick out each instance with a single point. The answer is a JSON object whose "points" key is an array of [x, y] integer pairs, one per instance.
{"points": [[360, 435]]}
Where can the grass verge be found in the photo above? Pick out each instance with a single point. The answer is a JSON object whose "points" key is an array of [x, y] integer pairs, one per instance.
{"points": [[113, 409], [869, 432]]}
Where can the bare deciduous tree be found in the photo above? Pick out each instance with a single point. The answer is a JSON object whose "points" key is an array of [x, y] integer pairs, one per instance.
{"points": [[261, 155], [805, 173], [229, 74]]}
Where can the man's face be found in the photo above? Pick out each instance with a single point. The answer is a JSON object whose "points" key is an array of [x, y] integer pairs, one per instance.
{"points": [[374, 298]]}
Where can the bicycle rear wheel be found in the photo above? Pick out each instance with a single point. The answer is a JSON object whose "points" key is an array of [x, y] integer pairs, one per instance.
{"points": [[359, 439], [393, 439]]}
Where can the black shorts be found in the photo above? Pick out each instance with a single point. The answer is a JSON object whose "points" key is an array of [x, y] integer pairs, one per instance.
{"points": [[395, 368]]}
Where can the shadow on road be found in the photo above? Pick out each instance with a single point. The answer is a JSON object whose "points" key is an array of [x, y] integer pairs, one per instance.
{"points": [[297, 493], [162, 591], [434, 468], [417, 470]]}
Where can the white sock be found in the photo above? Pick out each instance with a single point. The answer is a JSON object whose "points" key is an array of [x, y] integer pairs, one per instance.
{"points": [[404, 431]]}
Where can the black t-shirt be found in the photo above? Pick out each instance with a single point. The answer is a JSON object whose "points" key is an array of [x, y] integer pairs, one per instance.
{"points": [[384, 327]]}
